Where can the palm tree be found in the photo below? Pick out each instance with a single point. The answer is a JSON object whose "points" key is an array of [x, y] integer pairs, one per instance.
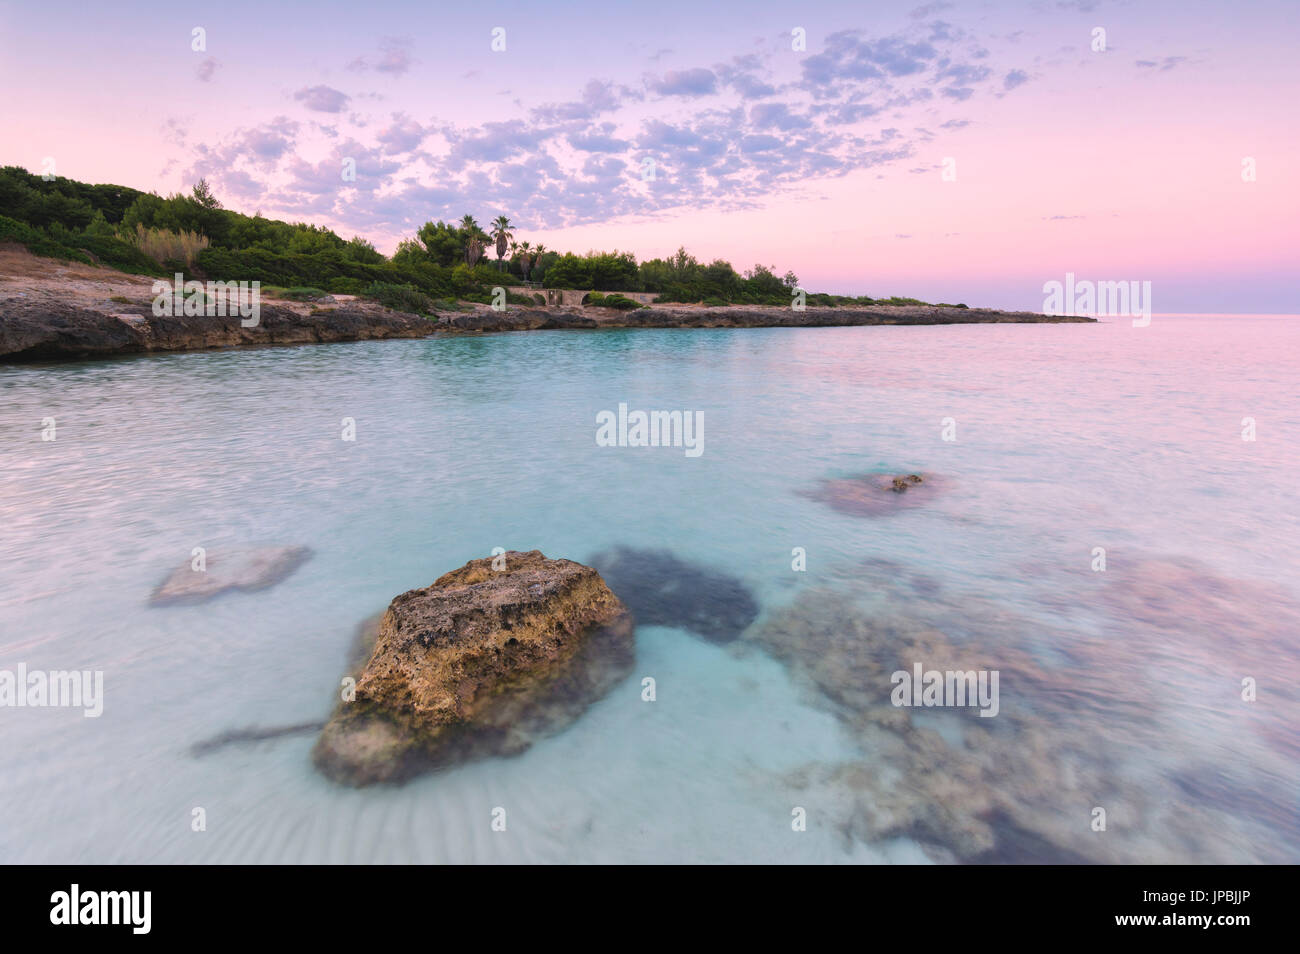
{"points": [[474, 249], [524, 252], [473, 238], [502, 234], [538, 251]]}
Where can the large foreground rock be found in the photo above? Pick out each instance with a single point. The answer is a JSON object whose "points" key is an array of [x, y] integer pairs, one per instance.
{"points": [[482, 662]]}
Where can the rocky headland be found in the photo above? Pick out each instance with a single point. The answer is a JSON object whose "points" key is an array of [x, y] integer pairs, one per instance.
{"points": [[60, 311]]}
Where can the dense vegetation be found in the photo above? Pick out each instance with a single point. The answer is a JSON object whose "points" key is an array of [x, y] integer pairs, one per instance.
{"points": [[145, 233], [613, 300]]}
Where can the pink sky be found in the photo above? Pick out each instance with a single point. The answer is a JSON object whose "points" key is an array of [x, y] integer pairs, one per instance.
{"points": [[1122, 164]]}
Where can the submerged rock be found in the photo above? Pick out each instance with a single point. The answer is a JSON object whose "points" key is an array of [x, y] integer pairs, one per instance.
{"points": [[662, 590], [482, 662], [873, 495], [1142, 719], [245, 569]]}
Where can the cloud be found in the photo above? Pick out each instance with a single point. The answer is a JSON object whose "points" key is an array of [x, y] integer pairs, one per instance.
{"points": [[850, 56], [851, 113], [1163, 65], [325, 178], [736, 136], [394, 57], [921, 12], [760, 143], [777, 116], [323, 99], [741, 75], [964, 74], [1015, 78], [269, 142], [597, 97], [207, 69], [494, 142], [693, 82], [600, 139], [402, 134], [240, 164]]}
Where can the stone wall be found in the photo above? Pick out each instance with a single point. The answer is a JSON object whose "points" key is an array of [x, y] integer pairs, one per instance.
{"points": [[565, 297]]}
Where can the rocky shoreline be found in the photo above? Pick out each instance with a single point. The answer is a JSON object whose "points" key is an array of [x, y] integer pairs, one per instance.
{"points": [[52, 311], [734, 316], [43, 330]]}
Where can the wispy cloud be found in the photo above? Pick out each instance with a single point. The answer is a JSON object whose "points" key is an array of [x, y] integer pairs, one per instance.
{"points": [[206, 69], [394, 57], [323, 99], [740, 131], [692, 82]]}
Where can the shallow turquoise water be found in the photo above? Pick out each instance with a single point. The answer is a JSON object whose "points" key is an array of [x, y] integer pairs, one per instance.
{"points": [[1069, 437]]}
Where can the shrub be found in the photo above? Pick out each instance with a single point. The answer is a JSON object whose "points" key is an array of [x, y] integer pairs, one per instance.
{"points": [[86, 247], [400, 297], [163, 244], [303, 294], [450, 304], [346, 286], [121, 255], [716, 303], [615, 300]]}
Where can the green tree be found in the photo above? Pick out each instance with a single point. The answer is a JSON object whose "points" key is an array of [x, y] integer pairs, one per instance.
{"points": [[360, 250], [501, 234], [203, 196], [443, 242], [473, 239], [525, 255]]}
